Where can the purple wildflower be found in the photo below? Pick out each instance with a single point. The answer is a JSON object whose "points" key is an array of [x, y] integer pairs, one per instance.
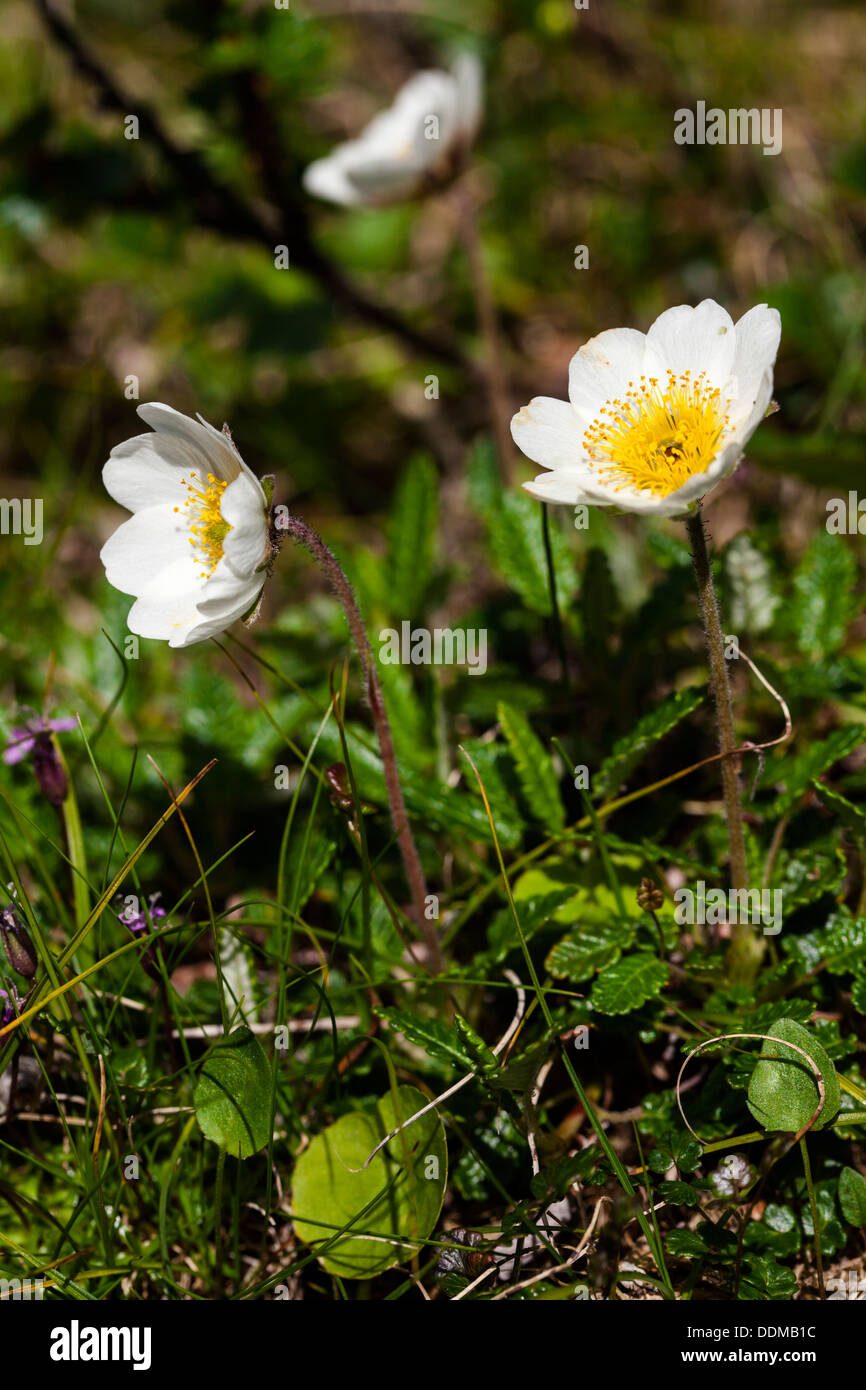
{"points": [[35, 737], [8, 1006], [20, 951], [137, 922]]}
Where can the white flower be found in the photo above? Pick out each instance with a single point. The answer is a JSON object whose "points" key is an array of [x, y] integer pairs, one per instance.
{"points": [[417, 143], [194, 550], [654, 421]]}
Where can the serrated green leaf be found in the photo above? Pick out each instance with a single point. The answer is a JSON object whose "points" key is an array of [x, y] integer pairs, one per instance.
{"points": [[412, 536], [484, 1056], [687, 1244], [232, 1097], [628, 751], [801, 772], [798, 773], [534, 769], [826, 595], [399, 1194], [678, 1193], [594, 947], [437, 1038], [516, 540], [629, 983], [851, 816]]}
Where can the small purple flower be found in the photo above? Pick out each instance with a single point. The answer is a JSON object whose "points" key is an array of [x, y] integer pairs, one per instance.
{"points": [[20, 951], [35, 737], [8, 1006], [136, 922]]}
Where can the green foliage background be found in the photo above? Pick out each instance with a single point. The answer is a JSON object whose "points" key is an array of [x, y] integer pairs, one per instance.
{"points": [[154, 258]]}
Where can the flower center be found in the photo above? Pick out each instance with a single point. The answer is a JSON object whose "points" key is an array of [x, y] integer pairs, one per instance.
{"points": [[207, 528], [656, 437]]}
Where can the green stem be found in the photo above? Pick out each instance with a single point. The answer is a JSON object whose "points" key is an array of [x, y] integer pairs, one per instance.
{"points": [[807, 1173], [402, 829], [746, 948], [554, 603]]}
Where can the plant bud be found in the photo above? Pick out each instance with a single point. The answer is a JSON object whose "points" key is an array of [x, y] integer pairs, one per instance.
{"points": [[20, 951], [649, 896]]}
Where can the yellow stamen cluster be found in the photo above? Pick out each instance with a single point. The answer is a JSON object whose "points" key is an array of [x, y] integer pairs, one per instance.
{"points": [[207, 528], [657, 437]]}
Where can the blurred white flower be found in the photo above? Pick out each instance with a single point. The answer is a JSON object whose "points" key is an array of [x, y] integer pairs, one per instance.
{"points": [[654, 420], [416, 144], [194, 551]]}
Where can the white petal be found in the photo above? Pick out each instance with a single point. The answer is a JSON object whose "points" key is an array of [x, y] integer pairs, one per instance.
{"points": [[697, 340], [230, 603], [429, 93], [140, 473], [242, 505], [166, 608], [757, 341], [181, 438], [604, 368], [549, 432], [151, 539], [385, 180], [326, 178], [564, 485]]}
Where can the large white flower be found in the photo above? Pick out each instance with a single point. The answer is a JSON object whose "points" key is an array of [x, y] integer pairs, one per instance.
{"points": [[194, 551], [654, 420], [415, 144]]}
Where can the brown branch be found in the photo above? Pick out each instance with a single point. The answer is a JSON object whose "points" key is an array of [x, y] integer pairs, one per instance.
{"points": [[220, 208]]}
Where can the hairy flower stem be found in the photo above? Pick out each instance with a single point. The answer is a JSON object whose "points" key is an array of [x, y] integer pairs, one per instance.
{"points": [[497, 387], [405, 839], [746, 948]]}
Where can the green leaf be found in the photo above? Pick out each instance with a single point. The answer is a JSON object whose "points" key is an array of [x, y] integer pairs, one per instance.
{"points": [[593, 947], [629, 983], [852, 1196], [306, 861], [412, 537], [537, 777], [799, 773], [483, 1055], [767, 1280], [680, 1194], [398, 1195], [686, 1243], [810, 876], [783, 1091], [232, 1097], [629, 750], [436, 1037], [826, 595], [516, 540], [520, 1072], [851, 816], [496, 773]]}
